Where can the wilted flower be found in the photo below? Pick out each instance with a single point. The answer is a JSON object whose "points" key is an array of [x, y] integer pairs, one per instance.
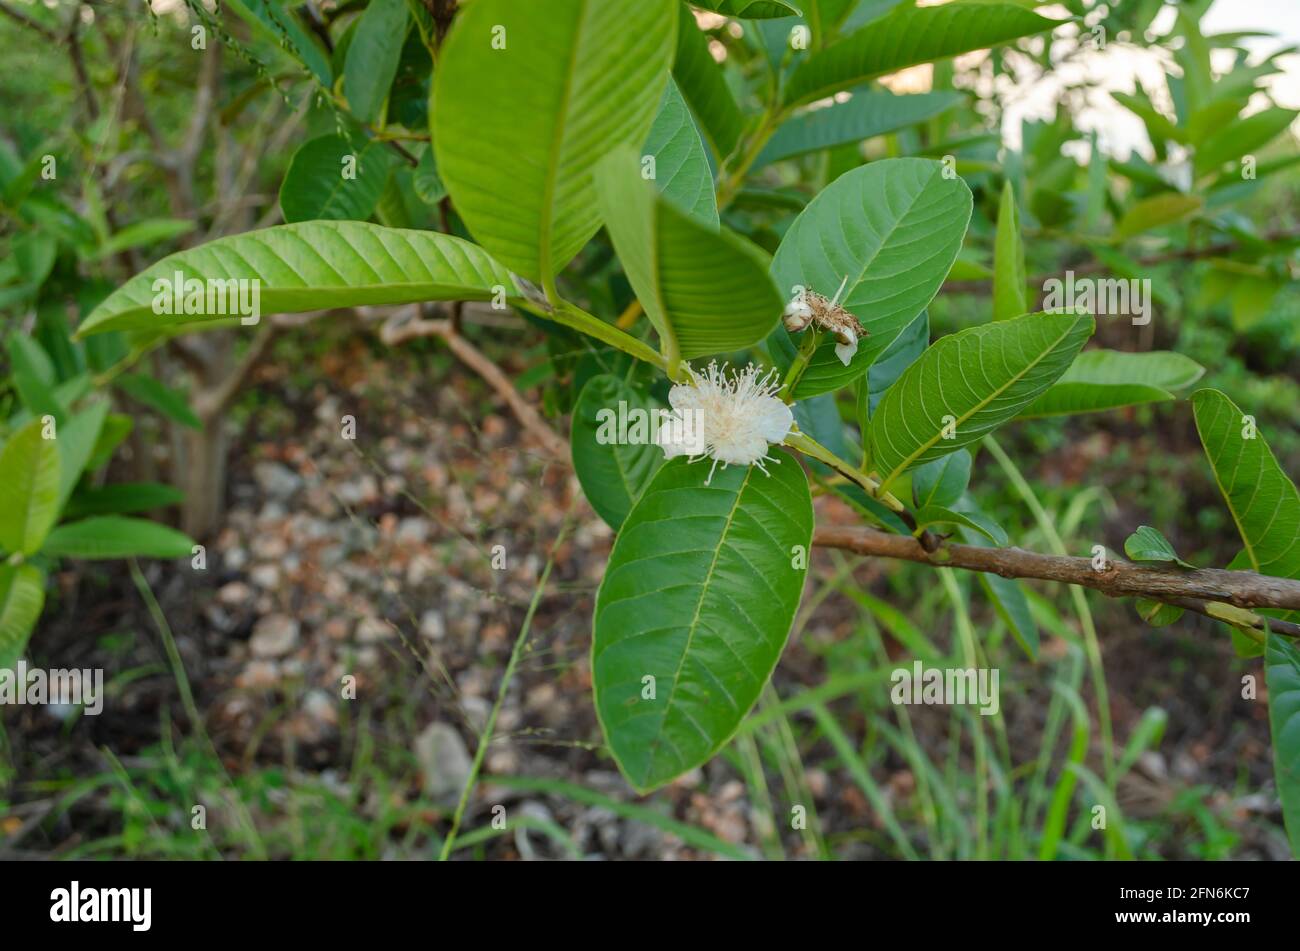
{"points": [[812, 308], [732, 419]]}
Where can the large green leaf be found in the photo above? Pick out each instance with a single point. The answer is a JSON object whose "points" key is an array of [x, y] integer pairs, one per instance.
{"points": [[968, 384], [906, 37], [1282, 661], [681, 166], [1263, 501], [702, 84], [22, 595], [335, 178], [699, 594], [1106, 379], [893, 228], [116, 536], [704, 291], [372, 57], [870, 112], [1009, 298], [614, 454], [313, 265], [518, 130], [29, 489]]}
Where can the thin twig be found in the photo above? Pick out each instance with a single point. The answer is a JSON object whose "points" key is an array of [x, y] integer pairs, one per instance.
{"points": [[394, 332]]}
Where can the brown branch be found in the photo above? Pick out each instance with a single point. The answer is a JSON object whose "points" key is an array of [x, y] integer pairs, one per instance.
{"points": [[395, 331], [1243, 589], [79, 63], [211, 403], [20, 17]]}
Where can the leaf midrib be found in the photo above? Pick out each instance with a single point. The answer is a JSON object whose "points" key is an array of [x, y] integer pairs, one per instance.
{"points": [[695, 619], [930, 443], [544, 249]]}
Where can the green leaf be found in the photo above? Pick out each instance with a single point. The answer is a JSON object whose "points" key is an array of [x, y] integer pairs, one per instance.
{"points": [[968, 384], [153, 393], [1008, 260], [942, 481], [1282, 663], [26, 355], [750, 9], [682, 171], [372, 57], [1263, 501], [614, 454], [1242, 137], [38, 399], [1008, 598], [901, 354], [1147, 544], [35, 253], [334, 178], [121, 498], [313, 265], [143, 233], [908, 36], [115, 536], [1106, 379], [938, 515], [893, 228], [702, 84], [518, 131], [22, 595], [1156, 212], [1159, 127], [699, 594], [427, 182], [870, 112], [29, 489], [76, 440], [116, 428], [1158, 614], [704, 291]]}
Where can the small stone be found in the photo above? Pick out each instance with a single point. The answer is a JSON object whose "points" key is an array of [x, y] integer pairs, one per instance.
{"points": [[477, 710], [274, 636], [277, 481], [258, 675], [265, 576], [372, 630], [413, 530], [432, 626], [236, 594], [320, 707], [445, 762]]}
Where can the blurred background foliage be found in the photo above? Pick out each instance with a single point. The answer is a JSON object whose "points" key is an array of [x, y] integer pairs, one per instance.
{"points": [[123, 139]]}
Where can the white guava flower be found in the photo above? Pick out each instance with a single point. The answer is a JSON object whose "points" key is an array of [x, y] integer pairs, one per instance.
{"points": [[729, 418]]}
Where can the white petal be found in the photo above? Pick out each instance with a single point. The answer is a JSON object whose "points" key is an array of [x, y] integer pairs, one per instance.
{"points": [[773, 419], [742, 449], [845, 351]]}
